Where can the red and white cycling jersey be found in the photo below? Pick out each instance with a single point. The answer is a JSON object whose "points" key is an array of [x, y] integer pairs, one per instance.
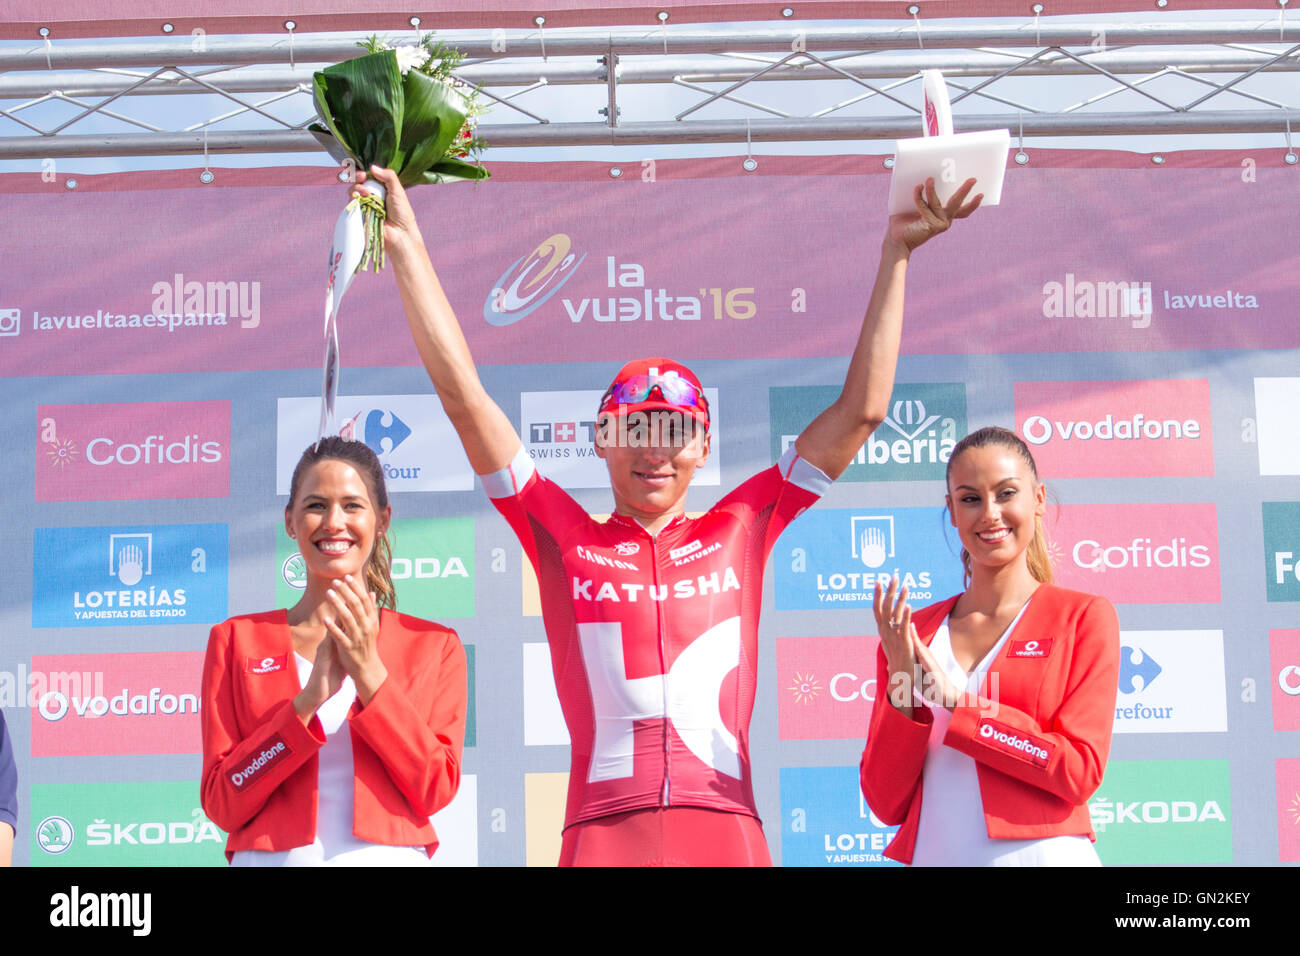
{"points": [[654, 639]]}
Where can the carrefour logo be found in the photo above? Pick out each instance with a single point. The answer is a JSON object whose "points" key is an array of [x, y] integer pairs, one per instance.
{"points": [[411, 434], [380, 429], [1171, 682], [531, 280], [1136, 670]]}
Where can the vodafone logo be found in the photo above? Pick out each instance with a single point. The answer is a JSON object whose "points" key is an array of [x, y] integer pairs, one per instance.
{"points": [[1030, 648], [1288, 680], [1105, 429], [54, 705], [1007, 739], [1038, 430]]}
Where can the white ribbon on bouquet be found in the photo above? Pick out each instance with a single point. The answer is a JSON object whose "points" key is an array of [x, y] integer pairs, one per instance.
{"points": [[346, 252]]}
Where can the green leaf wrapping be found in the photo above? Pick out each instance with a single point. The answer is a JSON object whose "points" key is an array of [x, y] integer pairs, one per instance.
{"points": [[361, 103], [451, 170], [431, 122]]}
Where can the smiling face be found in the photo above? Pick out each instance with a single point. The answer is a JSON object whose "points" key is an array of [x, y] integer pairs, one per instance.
{"points": [[994, 501], [334, 519], [651, 464]]}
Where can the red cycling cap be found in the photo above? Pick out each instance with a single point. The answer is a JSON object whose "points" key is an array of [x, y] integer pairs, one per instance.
{"points": [[654, 384]]}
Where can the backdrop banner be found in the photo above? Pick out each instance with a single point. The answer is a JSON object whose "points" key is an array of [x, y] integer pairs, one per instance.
{"points": [[1134, 322]]}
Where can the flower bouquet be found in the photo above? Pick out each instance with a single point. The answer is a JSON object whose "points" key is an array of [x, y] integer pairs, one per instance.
{"points": [[396, 108]]}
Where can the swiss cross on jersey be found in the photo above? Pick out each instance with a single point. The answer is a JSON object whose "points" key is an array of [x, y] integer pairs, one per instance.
{"points": [[644, 664]]}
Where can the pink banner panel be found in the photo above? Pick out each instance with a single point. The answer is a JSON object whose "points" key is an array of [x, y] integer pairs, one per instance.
{"points": [[149, 272], [826, 686], [118, 451], [1135, 428], [132, 703], [1153, 553], [83, 18]]}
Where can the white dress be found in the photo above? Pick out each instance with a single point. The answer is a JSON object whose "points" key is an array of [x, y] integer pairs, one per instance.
{"points": [[952, 831], [335, 843]]}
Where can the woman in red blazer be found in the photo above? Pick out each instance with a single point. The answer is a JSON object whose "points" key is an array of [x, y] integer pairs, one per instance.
{"points": [[1000, 700], [333, 730]]}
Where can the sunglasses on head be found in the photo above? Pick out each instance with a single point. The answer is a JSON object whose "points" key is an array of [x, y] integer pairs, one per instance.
{"points": [[672, 388]]}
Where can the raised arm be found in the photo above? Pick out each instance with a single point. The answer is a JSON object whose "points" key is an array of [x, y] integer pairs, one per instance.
{"points": [[834, 437], [490, 440]]}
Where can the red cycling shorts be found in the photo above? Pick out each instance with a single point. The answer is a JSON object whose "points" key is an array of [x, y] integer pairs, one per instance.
{"points": [[667, 836]]}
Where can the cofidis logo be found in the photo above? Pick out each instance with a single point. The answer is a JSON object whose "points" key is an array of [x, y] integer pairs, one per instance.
{"points": [[825, 821], [836, 558], [532, 280], [1282, 550], [1139, 553], [411, 434], [132, 450], [1113, 429], [1288, 810], [914, 442], [146, 704], [559, 430], [1284, 665], [826, 686], [154, 574]]}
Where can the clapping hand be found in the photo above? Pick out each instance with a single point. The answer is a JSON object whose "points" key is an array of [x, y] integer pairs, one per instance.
{"points": [[899, 642], [353, 628]]}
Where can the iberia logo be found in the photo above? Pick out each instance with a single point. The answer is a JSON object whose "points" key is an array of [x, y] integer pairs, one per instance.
{"points": [[530, 281]]}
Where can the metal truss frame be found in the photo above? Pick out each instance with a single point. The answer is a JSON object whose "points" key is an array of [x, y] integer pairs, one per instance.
{"points": [[725, 84]]}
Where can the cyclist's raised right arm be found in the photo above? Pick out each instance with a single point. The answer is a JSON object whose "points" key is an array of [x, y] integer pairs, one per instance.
{"points": [[490, 440]]}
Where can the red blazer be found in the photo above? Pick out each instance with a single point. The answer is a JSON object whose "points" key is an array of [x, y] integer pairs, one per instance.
{"points": [[259, 759], [1039, 740]]}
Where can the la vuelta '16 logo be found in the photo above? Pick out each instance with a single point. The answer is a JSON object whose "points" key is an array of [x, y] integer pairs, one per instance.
{"points": [[532, 280]]}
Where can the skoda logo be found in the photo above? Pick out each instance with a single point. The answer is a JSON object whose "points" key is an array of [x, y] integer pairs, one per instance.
{"points": [[54, 835], [294, 571]]}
